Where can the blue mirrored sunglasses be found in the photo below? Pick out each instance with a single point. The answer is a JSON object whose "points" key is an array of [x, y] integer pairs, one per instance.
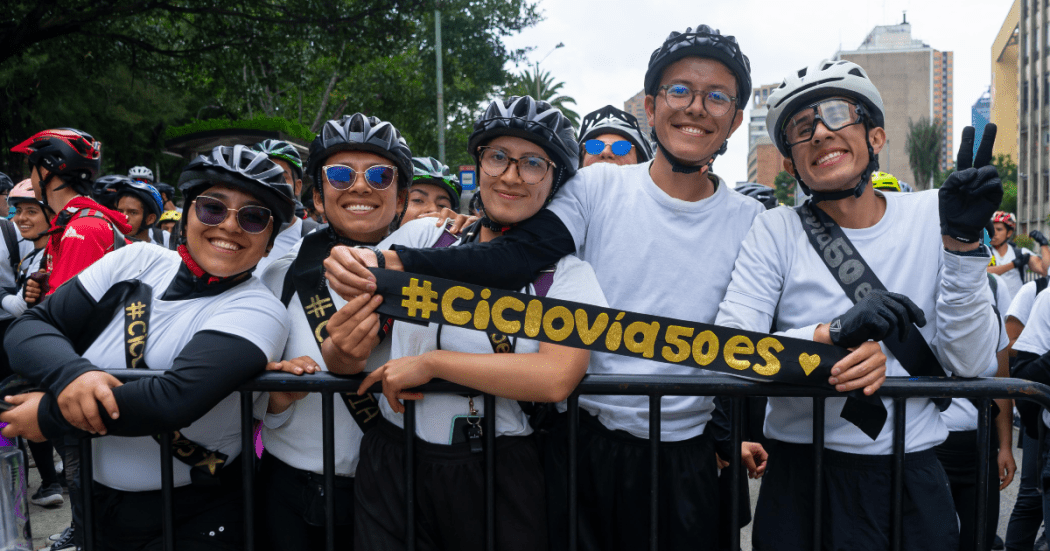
{"points": [[619, 148], [341, 177]]}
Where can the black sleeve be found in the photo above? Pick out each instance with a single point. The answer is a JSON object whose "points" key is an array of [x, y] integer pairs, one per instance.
{"points": [[46, 342], [1036, 369], [507, 262], [721, 430], [210, 367]]}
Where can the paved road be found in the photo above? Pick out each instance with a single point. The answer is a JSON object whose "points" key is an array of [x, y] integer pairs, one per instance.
{"points": [[50, 521]]}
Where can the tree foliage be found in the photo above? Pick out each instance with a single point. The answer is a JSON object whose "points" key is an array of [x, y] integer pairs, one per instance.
{"points": [[126, 70], [784, 187], [924, 150], [543, 87]]}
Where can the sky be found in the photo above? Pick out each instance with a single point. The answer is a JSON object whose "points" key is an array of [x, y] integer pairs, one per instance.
{"points": [[608, 44]]}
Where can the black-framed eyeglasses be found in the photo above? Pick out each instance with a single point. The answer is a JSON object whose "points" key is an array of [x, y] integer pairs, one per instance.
{"points": [[212, 212], [834, 113], [531, 168], [679, 97]]}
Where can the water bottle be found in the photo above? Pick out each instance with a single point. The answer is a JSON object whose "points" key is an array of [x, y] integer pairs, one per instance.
{"points": [[14, 501]]}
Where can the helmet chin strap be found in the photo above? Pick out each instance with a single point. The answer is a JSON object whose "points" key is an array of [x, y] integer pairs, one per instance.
{"points": [[855, 191]]}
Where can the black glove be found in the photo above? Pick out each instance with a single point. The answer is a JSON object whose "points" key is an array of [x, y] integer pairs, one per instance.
{"points": [[1022, 261], [1038, 237], [971, 194], [874, 318]]}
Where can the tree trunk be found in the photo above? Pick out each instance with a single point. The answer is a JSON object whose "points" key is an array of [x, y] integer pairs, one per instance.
{"points": [[324, 103]]}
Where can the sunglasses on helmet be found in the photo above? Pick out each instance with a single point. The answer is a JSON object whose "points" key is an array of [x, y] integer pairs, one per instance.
{"points": [[596, 147], [342, 177], [212, 212]]}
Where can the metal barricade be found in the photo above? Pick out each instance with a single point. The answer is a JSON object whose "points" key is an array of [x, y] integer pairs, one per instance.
{"points": [[655, 387]]}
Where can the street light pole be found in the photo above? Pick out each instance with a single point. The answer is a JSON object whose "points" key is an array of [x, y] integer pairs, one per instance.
{"points": [[440, 86], [536, 73]]}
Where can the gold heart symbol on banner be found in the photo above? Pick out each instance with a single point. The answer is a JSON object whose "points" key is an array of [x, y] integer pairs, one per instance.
{"points": [[809, 362]]}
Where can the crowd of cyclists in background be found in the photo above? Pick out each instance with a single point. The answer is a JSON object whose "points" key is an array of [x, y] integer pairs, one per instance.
{"points": [[252, 272]]}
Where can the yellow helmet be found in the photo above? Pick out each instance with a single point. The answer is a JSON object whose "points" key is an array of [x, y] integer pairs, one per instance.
{"points": [[884, 181], [170, 216]]}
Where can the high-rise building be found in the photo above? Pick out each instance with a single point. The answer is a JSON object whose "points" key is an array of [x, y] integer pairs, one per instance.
{"points": [[764, 162], [915, 81], [1004, 83], [636, 107], [981, 112], [1033, 117]]}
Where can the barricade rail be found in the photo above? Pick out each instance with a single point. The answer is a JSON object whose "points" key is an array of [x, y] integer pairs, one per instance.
{"points": [[655, 387]]}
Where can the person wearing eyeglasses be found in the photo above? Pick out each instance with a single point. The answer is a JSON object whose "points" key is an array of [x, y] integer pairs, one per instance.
{"points": [[902, 273], [610, 135], [200, 320], [524, 151]]}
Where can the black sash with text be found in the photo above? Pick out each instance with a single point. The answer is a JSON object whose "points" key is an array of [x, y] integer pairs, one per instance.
{"points": [[757, 356], [307, 278], [204, 463]]}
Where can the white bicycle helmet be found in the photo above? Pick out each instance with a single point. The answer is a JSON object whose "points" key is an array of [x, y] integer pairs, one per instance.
{"points": [[825, 80], [140, 173]]}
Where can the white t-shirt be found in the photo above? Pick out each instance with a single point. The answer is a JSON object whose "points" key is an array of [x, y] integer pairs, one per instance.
{"points": [[282, 245], [779, 272], [657, 255], [247, 310], [1036, 335], [962, 414], [1021, 305], [573, 280], [1012, 277], [294, 436]]}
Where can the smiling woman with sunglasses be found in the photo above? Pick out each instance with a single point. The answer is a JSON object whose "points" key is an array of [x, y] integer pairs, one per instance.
{"points": [[362, 168], [198, 318]]}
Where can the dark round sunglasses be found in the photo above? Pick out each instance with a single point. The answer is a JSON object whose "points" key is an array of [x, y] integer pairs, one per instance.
{"points": [[596, 147], [212, 212], [342, 177]]}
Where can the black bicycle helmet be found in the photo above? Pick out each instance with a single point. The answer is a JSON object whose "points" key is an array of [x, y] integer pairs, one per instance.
{"points": [[359, 132], [244, 168], [762, 194], [283, 151], [428, 170], [610, 120], [104, 188], [72, 155], [6, 183], [146, 193], [703, 42]]}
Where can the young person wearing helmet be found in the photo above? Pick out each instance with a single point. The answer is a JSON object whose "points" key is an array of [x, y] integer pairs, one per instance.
{"points": [[208, 325], [142, 205], [6, 184], [682, 214], [433, 190], [287, 157], [32, 219], [1011, 261], [168, 220], [363, 168], [827, 122], [63, 162], [524, 151], [610, 135], [167, 193]]}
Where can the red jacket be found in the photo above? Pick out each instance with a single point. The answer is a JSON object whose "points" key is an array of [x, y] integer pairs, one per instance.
{"points": [[79, 237]]}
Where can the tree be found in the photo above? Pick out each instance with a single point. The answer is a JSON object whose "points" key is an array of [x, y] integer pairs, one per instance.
{"points": [[924, 150], [528, 82], [1008, 174], [784, 186]]}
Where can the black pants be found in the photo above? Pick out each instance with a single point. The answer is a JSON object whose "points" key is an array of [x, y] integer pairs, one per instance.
{"points": [[958, 456], [292, 508], [1027, 514], [614, 490], [450, 495], [43, 454], [856, 502], [209, 518]]}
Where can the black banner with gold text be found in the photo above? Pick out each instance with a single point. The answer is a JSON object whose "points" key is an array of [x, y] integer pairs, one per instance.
{"points": [[758, 356]]}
